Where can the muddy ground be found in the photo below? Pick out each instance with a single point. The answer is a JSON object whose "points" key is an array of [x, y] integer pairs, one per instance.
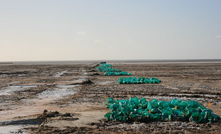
{"points": [[70, 98]]}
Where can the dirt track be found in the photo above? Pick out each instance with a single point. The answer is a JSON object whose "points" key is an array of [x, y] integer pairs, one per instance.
{"points": [[27, 90]]}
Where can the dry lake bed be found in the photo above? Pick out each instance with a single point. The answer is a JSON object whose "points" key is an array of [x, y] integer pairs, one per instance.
{"points": [[69, 98]]}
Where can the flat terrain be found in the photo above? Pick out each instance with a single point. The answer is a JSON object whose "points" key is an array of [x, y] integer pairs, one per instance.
{"points": [[30, 95]]}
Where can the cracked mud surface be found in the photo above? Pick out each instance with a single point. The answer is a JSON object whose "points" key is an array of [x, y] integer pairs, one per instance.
{"points": [[27, 90]]}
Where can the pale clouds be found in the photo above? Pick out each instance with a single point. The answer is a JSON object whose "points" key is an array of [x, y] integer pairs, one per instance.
{"points": [[218, 37], [130, 40], [98, 41], [81, 32]]}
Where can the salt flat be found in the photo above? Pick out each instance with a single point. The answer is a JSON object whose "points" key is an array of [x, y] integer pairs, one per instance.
{"points": [[26, 90]]}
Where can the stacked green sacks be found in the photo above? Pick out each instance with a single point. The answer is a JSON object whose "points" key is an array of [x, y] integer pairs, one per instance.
{"points": [[106, 68], [139, 80], [117, 73], [142, 110], [103, 67]]}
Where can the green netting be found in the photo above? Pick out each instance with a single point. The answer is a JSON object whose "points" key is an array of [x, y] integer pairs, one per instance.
{"points": [[139, 80], [117, 73], [142, 110]]}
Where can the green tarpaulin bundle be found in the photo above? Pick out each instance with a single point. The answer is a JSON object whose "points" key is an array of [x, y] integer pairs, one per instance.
{"points": [[117, 73], [106, 65], [103, 67], [106, 68], [139, 80], [143, 110]]}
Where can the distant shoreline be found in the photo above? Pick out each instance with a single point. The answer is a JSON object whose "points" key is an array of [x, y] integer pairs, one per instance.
{"points": [[116, 61], [6, 62]]}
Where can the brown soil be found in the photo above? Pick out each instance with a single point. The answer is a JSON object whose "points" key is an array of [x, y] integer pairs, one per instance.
{"points": [[199, 81]]}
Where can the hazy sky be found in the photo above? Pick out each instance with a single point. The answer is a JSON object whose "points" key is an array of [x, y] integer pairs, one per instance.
{"points": [[35, 30]]}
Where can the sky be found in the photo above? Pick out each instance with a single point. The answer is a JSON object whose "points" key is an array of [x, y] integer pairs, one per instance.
{"points": [[55, 30]]}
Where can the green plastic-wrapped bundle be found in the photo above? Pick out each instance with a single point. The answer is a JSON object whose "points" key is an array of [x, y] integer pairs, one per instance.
{"points": [[106, 68], [135, 109], [117, 73], [109, 70], [139, 80]]}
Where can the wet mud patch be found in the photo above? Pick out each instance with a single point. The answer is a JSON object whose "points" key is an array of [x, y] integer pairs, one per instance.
{"points": [[185, 97], [48, 114], [47, 129], [18, 126], [35, 121], [158, 127], [135, 127]]}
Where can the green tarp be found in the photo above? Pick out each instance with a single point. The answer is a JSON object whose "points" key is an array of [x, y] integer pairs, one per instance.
{"points": [[139, 80], [117, 73], [109, 70], [143, 110], [106, 68]]}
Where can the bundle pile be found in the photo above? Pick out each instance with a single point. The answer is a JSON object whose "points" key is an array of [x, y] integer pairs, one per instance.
{"points": [[117, 73], [139, 80], [142, 110], [110, 70], [106, 68]]}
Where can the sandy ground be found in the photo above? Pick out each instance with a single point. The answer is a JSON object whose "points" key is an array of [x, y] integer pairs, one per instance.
{"points": [[77, 93]]}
